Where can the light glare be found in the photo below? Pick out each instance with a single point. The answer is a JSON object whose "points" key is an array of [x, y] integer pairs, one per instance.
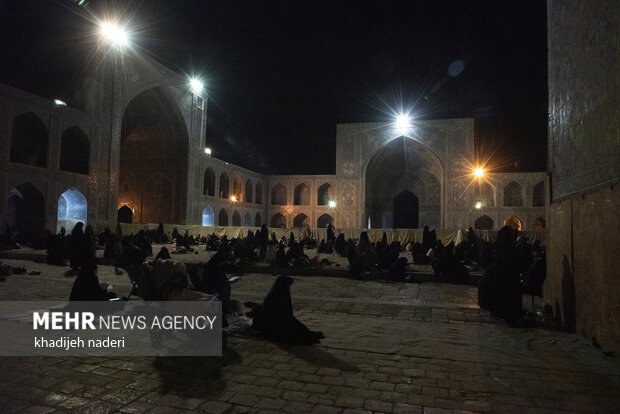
{"points": [[233, 198], [196, 85], [479, 172], [114, 34], [332, 203], [403, 121], [59, 102], [478, 205], [208, 151]]}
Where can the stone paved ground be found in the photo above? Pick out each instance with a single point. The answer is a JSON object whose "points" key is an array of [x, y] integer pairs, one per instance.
{"points": [[393, 348]]}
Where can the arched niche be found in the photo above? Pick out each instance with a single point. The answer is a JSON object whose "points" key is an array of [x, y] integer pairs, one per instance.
{"points": [[29, 140], [154, 154], [278, 195], [513, 195], [484, 223], [301, 221], [125, 214], [72, 208], [25, 212], [402, 164], [208, 183], [74, 151], [277, 221], [247, 220], [208, 217], [224, 185], [248, 191], [301, 195], [258, 220], [324, 220], [259, 193], [222, 218], [323, 194]]}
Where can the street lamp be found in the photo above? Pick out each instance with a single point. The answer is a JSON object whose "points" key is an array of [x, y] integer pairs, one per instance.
{"points": [[208, 151], [478, 172], [196, 86], [403, 121]]}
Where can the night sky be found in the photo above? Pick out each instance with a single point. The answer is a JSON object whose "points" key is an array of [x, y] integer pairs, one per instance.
{"points": [[281, 75]]}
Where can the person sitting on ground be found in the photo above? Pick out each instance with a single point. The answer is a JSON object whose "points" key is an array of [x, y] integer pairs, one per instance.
{"points": [[275, 319], [86, 286]]}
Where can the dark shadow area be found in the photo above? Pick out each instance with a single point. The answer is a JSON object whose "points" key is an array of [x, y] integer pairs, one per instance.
{"points": [[195, 377], [406, 210], [317, 356], [568, 296]]}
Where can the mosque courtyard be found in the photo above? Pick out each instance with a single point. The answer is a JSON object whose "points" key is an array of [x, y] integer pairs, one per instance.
{"points": [[388, 348]]}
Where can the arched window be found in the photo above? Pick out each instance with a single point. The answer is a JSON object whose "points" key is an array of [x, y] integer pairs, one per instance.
{"points": [[74, 151], [26, 209], [29, 140], [258, 220], [278, 221], [208, 185], [301, 196], [236, 219], [278, 195], [259, 194], [484, 223], [237, 188], [208, 217], [324, 220], [512, 195], [224, 186], [323, 195], [222, 218], [248, 191], [301, 220], [484, 193], [538, 195], [72, 208]]}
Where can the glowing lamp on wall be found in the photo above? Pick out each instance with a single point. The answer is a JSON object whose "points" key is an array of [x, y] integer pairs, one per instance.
{"points": [[331, 203]]}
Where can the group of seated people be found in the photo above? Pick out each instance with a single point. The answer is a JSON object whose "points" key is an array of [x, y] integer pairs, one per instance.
{"points": [[511, 266]]}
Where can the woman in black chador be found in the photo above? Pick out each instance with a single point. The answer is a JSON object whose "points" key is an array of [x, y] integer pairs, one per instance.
{"points": [[275, 319]]}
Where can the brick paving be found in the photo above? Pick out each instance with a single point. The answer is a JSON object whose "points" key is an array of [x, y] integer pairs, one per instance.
{"points": [[389, 348]]}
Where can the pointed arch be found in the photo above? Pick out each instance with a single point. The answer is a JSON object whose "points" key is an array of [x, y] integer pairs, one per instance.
{"points": [[236, 219], [74, 151], [277, 221], [26, 209], [72, 208], [208, 184], [484, 193], [224, 185], [124, 214], [514, 222], [278, 195], [323, 194], [237, 191], [222, 218], [29, 140], [324, 220], [208, 217], [484, 223], [248, 191], [259, 193], [258, 220], [301, 221], [538, 195], [513, 195], [247, 220], [301, 195]]}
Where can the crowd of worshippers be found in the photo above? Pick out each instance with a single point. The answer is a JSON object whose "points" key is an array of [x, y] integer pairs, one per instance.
{"points": [[511, 265]]}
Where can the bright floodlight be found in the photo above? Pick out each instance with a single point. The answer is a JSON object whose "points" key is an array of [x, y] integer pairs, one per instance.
{"points": [[403, 121], [208, 151], [196, 85], [332, 203], [479, 172], [478, 205], [233, 198], [59, 102], [114, 34]]}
